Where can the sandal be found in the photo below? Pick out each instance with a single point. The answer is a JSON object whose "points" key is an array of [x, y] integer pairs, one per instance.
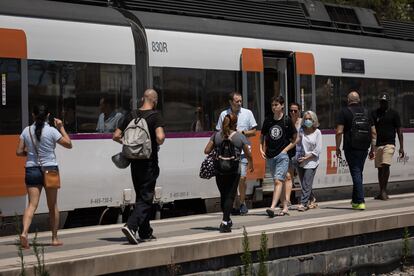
{"points": [[270, 212], [283, 213], [57, 243], [303, 208], [313, 204], [24, 243]]}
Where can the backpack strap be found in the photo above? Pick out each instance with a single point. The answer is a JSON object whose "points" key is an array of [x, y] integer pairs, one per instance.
{"points": [[231, 135], [365, 111]]}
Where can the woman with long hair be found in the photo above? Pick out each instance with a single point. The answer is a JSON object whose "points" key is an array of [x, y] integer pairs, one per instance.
{"points": [[307, 154], [227, 183], [37, 143]]}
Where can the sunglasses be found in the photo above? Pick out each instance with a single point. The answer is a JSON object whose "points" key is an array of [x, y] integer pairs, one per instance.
{"points": [[293, 110]]}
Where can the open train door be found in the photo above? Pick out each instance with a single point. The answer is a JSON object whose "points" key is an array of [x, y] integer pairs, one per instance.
{"points": [[13, 79], [268, 73], [253, 99]]}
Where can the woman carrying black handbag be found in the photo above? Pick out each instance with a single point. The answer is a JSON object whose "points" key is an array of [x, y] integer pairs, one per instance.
{"points": [[228, 144]]}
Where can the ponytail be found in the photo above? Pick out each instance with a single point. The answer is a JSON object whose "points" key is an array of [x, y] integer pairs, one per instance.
{"points": [[226, 126], [40, 113], [229, 124]]}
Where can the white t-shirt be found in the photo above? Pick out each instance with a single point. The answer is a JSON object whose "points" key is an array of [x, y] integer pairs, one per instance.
{"points": [[46, 146], [309, 143], [245, 119]]}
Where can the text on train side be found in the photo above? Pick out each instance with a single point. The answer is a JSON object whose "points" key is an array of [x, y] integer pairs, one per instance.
{"points": [[159, 46]]}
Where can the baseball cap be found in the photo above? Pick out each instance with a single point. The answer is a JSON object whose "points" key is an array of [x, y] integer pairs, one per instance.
{"points": [[384, 97]]}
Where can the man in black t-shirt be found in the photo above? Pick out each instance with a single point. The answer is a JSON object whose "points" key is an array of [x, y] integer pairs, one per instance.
{"points": [[279, 135], [144, 172], [387, 122], [354, 157]]}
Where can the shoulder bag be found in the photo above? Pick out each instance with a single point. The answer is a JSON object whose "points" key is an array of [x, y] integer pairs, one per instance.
{"points": [[207, 169], [51, 177]]}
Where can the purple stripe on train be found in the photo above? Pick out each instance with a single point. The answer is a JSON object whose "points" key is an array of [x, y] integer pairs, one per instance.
{"points": [[99, 136], [204, 134]]}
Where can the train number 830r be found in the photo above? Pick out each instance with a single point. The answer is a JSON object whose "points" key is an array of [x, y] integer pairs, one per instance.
{"points": [[159, 46]]}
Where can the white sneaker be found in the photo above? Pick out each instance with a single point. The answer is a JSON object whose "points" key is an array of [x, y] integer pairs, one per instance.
{"points": [[129, 234]]}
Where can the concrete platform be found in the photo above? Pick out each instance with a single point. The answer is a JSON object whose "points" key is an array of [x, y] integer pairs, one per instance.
{"points": [[103, 249]]}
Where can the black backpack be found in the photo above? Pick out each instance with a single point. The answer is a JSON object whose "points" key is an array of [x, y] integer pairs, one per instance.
{"points": [[360, 130], [227, 158]]}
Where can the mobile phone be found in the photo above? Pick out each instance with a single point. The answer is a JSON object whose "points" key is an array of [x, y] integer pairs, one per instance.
{"points": [[51, 120]]}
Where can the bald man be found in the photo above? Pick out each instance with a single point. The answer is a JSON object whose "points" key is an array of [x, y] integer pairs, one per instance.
{"points": [[355, 155], [144, 172]]}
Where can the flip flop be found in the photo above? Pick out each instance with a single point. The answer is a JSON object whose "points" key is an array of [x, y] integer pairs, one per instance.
{"points": [[283, 213], [270, 212], [24, 243], [58, 243]]}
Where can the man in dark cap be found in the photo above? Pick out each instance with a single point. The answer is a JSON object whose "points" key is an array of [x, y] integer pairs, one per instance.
{"points": [[387, 123]]}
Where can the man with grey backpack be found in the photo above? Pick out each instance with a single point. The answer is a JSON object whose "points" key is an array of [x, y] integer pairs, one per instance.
{"points": [[138, 130]]}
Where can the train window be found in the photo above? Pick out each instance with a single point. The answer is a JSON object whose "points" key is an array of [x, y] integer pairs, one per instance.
{"points": [[352, 66], [331, 96], [88, 97], [10, 105], [254, 99], [405, 100], [192, 99], [306, 92]]}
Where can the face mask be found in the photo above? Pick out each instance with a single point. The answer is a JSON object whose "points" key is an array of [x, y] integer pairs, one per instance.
{"points": [[308, 123]]}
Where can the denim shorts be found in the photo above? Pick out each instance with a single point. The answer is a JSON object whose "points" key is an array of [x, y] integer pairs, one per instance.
{"points": [[34, 175], [243, 166], [279, 166]]}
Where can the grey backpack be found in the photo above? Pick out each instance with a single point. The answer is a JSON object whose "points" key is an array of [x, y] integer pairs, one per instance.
{"points": [[136, 139]]}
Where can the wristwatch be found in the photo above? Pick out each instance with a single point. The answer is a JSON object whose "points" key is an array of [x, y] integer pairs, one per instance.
{"points": [[243, 132]]}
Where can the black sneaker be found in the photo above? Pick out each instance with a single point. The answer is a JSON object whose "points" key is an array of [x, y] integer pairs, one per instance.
{"points": [[225, 228], [230, 223], [129, 234], [147, 239]]}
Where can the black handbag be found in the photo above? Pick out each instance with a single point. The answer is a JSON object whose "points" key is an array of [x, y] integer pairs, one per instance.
{"points": [[207, 169]]}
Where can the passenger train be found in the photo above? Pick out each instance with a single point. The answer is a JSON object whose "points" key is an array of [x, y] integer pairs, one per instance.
{"points": [[70, 54]]}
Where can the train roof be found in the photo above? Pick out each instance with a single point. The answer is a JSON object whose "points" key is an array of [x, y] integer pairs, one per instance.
{"points": [[289, 20]]}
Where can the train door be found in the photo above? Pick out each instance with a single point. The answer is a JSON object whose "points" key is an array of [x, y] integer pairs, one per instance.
{"points": [[272, 73], [13, 83]]}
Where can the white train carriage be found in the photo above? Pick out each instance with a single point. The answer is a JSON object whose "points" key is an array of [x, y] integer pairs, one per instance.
{"points": [[70, 55]]}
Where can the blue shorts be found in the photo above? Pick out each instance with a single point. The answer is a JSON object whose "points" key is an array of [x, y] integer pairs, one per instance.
{"points": [[279, 166], [34, 175], [243, 166]]}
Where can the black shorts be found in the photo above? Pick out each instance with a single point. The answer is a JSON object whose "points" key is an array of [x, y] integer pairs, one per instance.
{"points": [[34, 175]]}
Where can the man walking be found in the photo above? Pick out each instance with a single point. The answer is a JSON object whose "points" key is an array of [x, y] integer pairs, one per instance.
{"points": [[246, 125], [388, 123], [279, 135], [355, 125], [144, 172]]}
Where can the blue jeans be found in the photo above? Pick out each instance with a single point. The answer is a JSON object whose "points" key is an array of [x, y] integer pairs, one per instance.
{"points": [[279, 166], [356, 160]]}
